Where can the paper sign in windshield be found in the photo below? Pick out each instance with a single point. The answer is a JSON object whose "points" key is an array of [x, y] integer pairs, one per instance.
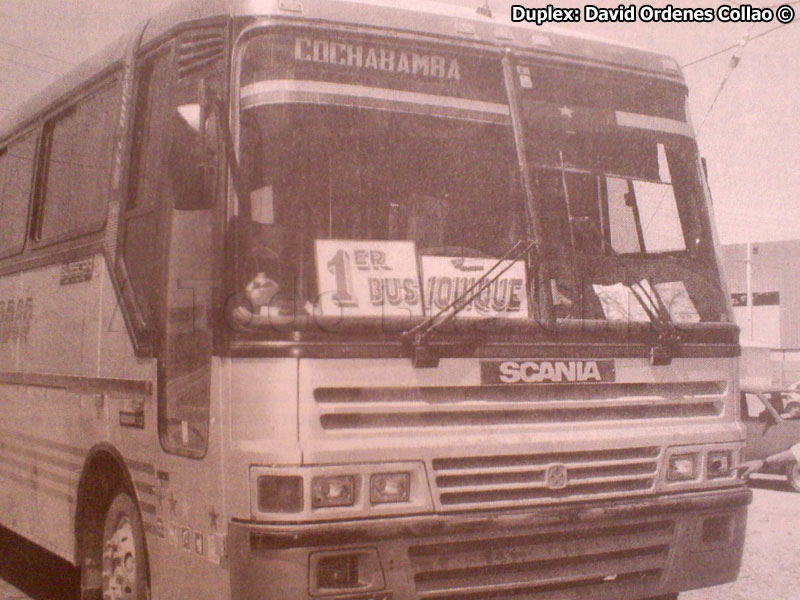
{"points": [[369, 278], [620, 304], [446, 279]]}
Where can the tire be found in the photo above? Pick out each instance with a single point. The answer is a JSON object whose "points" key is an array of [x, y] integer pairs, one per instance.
{"points": [[124, 567], [793, 475]]}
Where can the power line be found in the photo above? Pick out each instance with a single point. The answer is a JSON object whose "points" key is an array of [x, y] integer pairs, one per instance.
{"points": [[718, 52], [26, 66], [36, 52], [736, 57]]}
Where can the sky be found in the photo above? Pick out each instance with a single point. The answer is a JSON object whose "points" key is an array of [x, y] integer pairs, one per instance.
{"points": [[750, 136]]}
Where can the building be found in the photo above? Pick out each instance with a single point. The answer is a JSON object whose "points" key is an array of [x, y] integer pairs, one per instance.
{"points": [[773, 320]]}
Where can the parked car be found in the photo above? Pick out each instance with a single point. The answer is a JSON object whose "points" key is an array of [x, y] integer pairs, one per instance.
{"points": [[772, 419]]}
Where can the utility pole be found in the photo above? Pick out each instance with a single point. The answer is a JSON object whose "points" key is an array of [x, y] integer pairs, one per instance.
{"points": [[749, 285]]}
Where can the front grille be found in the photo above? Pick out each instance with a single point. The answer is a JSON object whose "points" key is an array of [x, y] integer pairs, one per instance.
{"points": [[620, 561], [506, 480], [355, 408]]}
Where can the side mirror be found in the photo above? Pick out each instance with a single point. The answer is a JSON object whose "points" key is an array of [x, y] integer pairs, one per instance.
{"points": [[193, 155]]}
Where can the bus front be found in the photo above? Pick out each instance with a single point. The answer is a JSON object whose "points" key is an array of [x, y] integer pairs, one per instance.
{"points": [[478, 342]]}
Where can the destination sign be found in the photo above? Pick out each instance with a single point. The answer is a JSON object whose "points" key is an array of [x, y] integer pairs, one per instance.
{"points": [[447, 279], [380, 58], [374, 62], [546, 371], [369, 278]]}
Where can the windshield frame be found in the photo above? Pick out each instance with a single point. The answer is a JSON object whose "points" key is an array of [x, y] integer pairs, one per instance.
{"points": [[391, 327]]}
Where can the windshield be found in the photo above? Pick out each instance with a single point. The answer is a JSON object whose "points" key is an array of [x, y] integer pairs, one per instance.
{"points": [[615, 174], [341, 173], [361, 200], [610, 228]]}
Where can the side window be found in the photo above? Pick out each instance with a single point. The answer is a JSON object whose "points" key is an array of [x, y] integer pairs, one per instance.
{"points": [[753, 406], [76, 170], [142, 233], [16, 179]]}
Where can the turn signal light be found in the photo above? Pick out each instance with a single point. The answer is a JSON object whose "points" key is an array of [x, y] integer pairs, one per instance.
{"points": [[389, 487], [719, 464]]}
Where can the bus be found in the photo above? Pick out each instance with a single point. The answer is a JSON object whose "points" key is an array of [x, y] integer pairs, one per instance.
{"points": [[348, 300]]}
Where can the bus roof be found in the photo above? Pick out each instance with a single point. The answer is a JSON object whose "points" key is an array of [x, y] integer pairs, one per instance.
{"points": [[445, 21], [431, 18]]}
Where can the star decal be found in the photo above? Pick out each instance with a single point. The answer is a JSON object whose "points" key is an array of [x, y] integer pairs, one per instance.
{"points": [[566, 111]]}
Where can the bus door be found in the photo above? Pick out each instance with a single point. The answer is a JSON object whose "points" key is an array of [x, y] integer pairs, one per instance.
{"points": [[169, 252]]}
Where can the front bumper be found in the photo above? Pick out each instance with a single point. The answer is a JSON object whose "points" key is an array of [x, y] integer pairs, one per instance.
{"points": [[604, 550]]}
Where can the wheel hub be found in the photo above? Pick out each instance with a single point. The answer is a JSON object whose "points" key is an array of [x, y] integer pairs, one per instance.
{"points": [[119, 563]]}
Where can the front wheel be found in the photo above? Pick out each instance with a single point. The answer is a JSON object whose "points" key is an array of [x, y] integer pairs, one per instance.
{"points": [[793, 475], [124, 558]]}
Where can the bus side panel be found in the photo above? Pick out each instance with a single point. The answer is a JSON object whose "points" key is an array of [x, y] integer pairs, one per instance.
{"points": [[51, 417], [17, 510]]}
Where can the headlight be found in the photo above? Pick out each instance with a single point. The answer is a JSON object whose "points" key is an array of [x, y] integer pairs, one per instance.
{"points": [[682, 467], [343, 491], [389, 487], [718, 464], [280, 493], [337, 490]]}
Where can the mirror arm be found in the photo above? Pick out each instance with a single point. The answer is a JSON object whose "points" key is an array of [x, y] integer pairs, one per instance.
{"points": [[211, 102]]}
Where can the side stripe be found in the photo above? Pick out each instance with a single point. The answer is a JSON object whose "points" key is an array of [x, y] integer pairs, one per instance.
{"points": [[39, 441], [19, 450], [141, 467], [36, 472], [144, 488], [82, 385], [35, 485]]}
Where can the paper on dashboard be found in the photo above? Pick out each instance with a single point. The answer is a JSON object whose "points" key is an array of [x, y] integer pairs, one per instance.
{"points": [[620, 302]]}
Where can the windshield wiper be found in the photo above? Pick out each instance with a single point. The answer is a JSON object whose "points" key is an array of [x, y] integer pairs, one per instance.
{"points": [[669, 340], [416, 337]]}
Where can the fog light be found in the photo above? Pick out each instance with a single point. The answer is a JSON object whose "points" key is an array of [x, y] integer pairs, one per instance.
{"points": [[717, 529], [719, 464], [338, 571], [389, 487], [681, 467], [282, 494], [333, 491]]}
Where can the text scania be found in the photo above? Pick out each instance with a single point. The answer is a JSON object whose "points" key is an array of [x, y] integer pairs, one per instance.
{"points": [[531, 371], [380, 59]]}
